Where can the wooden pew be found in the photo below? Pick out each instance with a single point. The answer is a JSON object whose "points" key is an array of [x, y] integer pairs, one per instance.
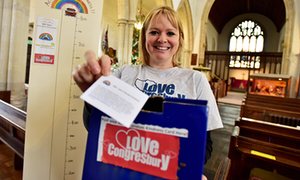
{"points": [[272, 109], [272, 99], [12, 130], [273, 102], [269, 132], [277, 105], [277, 141], [279, 116]]}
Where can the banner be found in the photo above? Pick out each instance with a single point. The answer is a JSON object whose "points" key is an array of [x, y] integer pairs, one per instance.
{"points": [[139, 150]]}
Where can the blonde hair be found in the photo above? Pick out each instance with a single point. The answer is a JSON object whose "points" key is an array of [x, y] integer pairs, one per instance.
{"points": [[174, 20]]}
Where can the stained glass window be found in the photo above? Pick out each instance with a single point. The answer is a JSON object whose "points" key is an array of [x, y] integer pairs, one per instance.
{"points": [[246, 37]]}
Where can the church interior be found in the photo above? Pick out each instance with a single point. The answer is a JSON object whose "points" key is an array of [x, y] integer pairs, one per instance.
{"points": [[249, 50]]}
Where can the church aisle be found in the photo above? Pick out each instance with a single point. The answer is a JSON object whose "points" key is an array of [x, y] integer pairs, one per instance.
{"points": [[221, 140], [229, 107]]}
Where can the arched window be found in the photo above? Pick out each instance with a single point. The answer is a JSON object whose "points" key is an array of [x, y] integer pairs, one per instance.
{"points": [[246, 37]]}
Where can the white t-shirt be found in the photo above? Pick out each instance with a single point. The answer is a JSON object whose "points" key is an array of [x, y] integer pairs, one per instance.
{"points": [[174, 82]]}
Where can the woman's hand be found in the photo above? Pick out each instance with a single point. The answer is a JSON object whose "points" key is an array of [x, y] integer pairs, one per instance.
{"points": [[86, 74]]}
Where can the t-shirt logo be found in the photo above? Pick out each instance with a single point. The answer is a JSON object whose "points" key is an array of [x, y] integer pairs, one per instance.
{"points": [[153, 88]]}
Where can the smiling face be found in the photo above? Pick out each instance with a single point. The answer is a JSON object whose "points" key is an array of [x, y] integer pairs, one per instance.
{"points": [[161, 38], [162, 42]]}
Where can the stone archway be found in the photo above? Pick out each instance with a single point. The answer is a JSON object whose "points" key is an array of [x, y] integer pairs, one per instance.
{"points": [[289, 7]]}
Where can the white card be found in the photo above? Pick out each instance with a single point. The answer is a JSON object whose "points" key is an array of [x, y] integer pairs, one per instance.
{"points": [[115, 98]]}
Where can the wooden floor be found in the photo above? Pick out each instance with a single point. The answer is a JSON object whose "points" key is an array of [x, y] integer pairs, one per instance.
{"points": [[7, 171]]}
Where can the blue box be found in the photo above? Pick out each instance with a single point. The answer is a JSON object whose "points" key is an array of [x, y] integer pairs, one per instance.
{"points": [[176, 113]]}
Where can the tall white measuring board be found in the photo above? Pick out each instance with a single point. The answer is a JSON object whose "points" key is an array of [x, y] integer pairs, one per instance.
{"points": [[55, 135]]}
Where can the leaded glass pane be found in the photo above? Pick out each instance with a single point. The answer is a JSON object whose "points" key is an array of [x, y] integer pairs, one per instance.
{"points": [[239, 45], [246, 44], [232, 45], [252, 44], [260, 44]]}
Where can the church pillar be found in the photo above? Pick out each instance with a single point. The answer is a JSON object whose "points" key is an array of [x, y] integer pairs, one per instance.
{"points": [[129, 37], [14, 48], [121, 41], [5, 22], [123, 8], [126, 20], [130, 25], [186, 58], [125, 47], [294, 65]]}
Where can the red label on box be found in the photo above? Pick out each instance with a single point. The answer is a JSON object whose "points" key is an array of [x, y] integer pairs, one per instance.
{"points": [[44, 58], [139, 150]]}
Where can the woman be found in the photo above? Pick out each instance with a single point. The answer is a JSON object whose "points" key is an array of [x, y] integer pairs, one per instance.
{"points": [[160, 46]]}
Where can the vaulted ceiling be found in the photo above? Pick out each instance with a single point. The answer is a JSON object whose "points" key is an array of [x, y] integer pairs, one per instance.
{"points": [[223, 11]]}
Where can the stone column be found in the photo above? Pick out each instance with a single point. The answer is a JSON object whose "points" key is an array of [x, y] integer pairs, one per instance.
{"points": [[18, 52], [123, 9], [186, 58], [125, 48], [14, 32], [6, 20], [130, 27], [121, 41], [294, 65]]}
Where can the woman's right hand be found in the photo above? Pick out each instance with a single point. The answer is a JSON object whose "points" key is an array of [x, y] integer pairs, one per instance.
{"points": [[86, 74]]}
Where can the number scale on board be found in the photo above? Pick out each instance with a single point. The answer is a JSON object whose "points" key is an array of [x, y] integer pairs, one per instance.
{"points": [[75, 132]]}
